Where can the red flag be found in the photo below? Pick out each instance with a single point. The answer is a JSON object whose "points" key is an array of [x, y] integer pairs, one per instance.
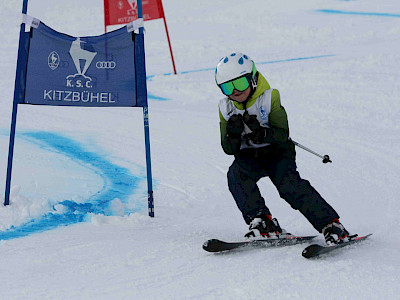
{"points": [[125, 11]]}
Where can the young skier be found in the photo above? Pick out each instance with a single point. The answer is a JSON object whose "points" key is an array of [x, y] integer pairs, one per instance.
{"points": [[254, 128]]}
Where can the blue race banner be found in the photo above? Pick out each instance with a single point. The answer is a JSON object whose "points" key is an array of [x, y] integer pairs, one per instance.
{"points": [[81, 71], [57, 69]]}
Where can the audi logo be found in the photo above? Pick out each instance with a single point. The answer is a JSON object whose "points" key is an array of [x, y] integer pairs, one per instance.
{"points": [[64, 64], [106, 64]]}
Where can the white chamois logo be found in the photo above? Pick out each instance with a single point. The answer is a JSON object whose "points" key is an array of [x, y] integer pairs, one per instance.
{"points": [[78, 54]]}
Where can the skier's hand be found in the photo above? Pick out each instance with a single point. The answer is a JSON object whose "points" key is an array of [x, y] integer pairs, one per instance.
{"points": [[251, 121], [258, 136], [235, 126], [259, 133]]}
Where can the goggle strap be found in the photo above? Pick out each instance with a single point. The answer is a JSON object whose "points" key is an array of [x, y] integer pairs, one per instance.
{"points": [[254, 80]]}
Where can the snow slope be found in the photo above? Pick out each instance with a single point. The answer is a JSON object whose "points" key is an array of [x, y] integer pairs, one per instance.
{"points": [[337, 72]]}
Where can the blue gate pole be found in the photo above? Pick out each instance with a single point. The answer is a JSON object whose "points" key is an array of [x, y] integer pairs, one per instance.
{"points": [[10, 153], [148, 161], [150, 199], [21, 64]]}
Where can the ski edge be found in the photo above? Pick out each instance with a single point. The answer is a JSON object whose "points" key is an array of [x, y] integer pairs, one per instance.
{"points": [[216, 245]]}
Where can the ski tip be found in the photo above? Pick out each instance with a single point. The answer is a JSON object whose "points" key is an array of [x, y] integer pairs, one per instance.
{"points": [[212, 245], [311, 251]]}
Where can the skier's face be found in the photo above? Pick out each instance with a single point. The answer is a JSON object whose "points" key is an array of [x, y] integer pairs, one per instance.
{"points": [[240, 96]]}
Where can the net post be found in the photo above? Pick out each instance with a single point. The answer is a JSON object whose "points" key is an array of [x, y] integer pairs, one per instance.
{"points": [[21, 65]]}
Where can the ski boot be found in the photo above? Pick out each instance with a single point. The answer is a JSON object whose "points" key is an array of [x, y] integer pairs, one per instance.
{"points": [[264, 226], [335, 233]]}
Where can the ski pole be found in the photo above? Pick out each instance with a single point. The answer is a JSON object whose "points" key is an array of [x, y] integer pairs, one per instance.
{"points": [[325, 158]]}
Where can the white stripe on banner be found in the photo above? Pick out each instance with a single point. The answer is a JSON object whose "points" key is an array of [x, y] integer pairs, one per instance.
{"points": [[135, 25], [30, 22]]}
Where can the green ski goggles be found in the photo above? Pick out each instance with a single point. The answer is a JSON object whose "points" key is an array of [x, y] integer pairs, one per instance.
{"points": [[240, 84]]}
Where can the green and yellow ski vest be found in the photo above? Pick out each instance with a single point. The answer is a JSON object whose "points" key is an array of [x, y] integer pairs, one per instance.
{"points": [[265, 103]]}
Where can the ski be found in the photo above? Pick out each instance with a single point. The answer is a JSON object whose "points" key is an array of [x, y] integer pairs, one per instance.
{"points": [[215, 245], [316, 250]]}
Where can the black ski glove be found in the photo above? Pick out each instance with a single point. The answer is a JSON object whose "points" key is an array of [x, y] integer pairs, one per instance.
{"points": [[235, 126], [259, 133], [251, 121]]}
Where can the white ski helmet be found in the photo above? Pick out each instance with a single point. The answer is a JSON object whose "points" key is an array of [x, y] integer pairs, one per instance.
{"points": [[233, 66]]}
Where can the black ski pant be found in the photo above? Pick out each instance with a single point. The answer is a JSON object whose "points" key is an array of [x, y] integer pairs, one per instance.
{"points": [[247, 170]]}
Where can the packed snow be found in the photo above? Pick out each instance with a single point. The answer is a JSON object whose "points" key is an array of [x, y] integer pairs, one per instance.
{"points": [[336, 65]]}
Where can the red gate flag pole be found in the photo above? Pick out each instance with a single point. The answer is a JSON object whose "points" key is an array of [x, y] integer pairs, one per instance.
{"points": [[161, 9], [106, 15], [119, 12]]}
